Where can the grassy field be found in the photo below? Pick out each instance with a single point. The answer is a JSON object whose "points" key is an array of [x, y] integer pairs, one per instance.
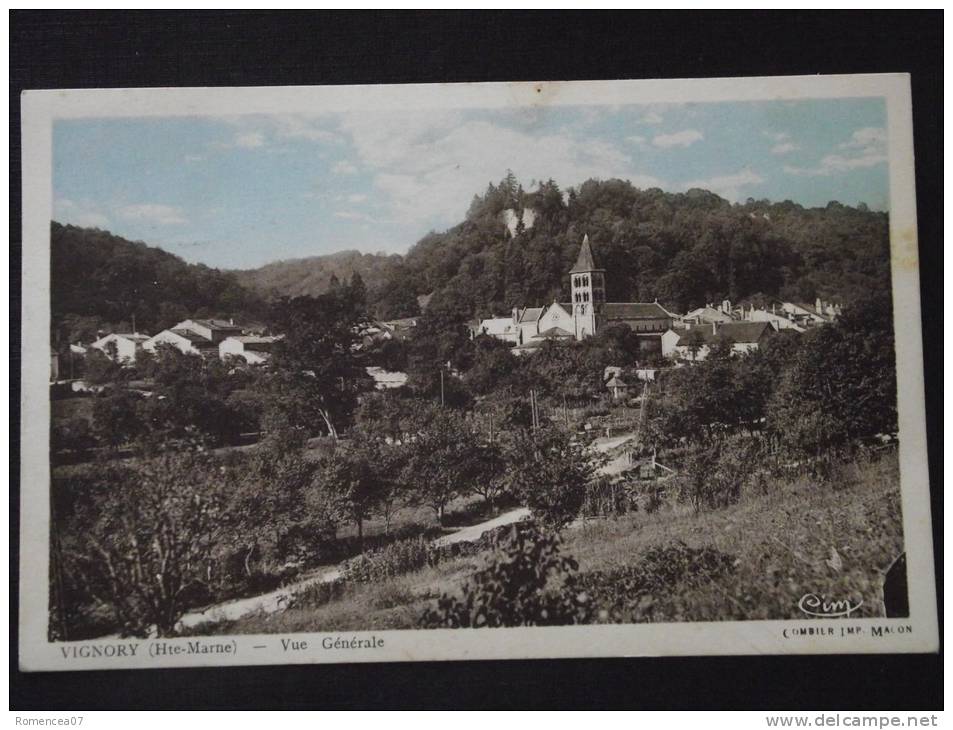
{"points": [[833, 539]]}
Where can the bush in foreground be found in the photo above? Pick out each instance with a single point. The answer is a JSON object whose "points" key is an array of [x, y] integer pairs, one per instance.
{"points": [[527, 583]]}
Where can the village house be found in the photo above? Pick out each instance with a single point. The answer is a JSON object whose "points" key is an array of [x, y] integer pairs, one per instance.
{"points": [[121, 346], [617, 387], [195, 336], [774, 316], [185, 341], [807, 315], [708, 314], [696, 342], [502, 328], [254, 349], [213, 330], [398, 329], [385, 379]]}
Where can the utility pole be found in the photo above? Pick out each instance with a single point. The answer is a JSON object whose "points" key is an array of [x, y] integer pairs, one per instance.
{"points": [[441, 388]]}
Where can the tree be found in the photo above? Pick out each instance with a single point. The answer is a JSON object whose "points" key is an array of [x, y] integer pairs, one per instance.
{"points": [[694, 341], [443, 458], [275, 511], [357, 295], [116, 418], [100, 369], [548, 470], [493, 365], [841, 386], [350, 479], [143, 541], [315, 376]]}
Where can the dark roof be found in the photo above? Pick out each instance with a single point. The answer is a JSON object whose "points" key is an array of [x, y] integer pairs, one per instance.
{"points": [[555, 332], [633, 310], [586, 261], [739, 332], [531, 314], [217, 324], [196, 340]]}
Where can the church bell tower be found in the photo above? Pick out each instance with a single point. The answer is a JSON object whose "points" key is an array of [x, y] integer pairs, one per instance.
{"points": [[588, 291]]}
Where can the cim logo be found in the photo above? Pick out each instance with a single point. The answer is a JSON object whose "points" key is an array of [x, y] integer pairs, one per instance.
{"points": [[814, 605]]}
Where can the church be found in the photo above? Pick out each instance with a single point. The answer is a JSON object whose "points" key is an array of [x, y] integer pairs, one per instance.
{"points": [[587, 314]]}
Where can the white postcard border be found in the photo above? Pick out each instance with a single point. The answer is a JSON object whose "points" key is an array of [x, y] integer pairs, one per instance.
{"points": [[40, 108]]}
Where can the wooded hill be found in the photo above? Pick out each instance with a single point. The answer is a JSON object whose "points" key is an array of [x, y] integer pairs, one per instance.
{"points": [[100, 281], [685, 249]]}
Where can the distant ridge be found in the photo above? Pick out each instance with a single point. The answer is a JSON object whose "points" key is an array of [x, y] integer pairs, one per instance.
{"points": [[312, 275]]}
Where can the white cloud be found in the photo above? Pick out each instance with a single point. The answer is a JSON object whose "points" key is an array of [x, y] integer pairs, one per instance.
{"points": [[727, 186], [867, 147], [651, 118], [153, 213], [678, 139], [350, 215], [193, 158], [777, 136], [867, 138], [784, 148], [249, 140], [428, 165], [82, 213], [344, 168], [636, 139], [291, 126]]}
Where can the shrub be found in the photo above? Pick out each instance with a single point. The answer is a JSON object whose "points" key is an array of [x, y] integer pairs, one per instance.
{"points": [[715, 477], [527, 583], [316, 595], [605, 498], [390, 595], [631, 593], [403, 556]]}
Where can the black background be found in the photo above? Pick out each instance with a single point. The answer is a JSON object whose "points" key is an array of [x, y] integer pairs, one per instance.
{"points": [[115, 49]]}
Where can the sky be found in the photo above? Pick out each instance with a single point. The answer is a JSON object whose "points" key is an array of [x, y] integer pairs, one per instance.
{"points": [[239, 192]]}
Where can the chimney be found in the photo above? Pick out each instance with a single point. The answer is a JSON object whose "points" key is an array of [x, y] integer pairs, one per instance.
{"points": [[817, 305], [726, 306], [516, 315], [714, 328], [231, 321]]}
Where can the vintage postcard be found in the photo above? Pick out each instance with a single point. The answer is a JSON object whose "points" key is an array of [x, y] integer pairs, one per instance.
{"points": [[471, 371]]}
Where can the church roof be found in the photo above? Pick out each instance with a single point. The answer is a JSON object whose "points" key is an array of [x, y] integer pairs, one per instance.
{"points": [[586, 261], [531, 314], [633, 310], [554, 332]]}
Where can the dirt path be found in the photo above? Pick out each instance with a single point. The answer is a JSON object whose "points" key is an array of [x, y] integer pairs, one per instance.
{"points": [[275, 600]]}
